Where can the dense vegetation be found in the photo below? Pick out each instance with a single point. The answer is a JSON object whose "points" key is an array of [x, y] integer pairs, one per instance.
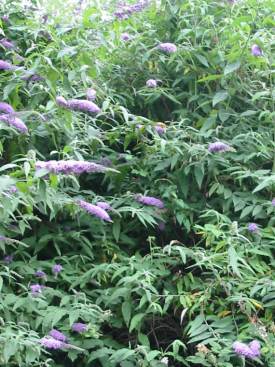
{"points": [[137, 183]]}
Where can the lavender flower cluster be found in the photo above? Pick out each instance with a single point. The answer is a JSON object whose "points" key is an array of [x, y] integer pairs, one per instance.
{"points": [[81, 105], [218, 147], [70, 167], [5, 65], [252, 350], [10, 118], [150, 200], [151, 83], [57, 340], [7, 44], [124, 11], [95, 210], [167, 47]]}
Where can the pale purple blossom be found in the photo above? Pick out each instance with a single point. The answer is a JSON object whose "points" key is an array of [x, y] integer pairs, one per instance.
{"points": [[40, 274], [255, 347], [79, 327], [70, 167], [152, 83], [167, 47], [273, 202], [124, 11], [32, 78], [218, 147], [61, 101], [14, 122], [94, 210], [91, 94], [2, 238], [125, 36], [13, 189], [51, 343], [103, 205], [82, 105], [4, 65], [57, 268], [56, 334], [251, 351], [6, 108], [36, 289], [150, 200], [256, 50], [253, 227], [7, 44], [160, 128]]}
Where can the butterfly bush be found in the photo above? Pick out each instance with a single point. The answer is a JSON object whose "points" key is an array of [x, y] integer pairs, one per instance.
{"points": [[253, 227], [104, 205], [40, 274], [124, 11], [56, 334], [5, 65], [51, 343], [15, 122], [256, 50], [167, 47], [91, 94], [150, 200], [79, 327], [218, 147], [70, 167], [6, 108], [57, 268], [125, 36], [250, 351], [94, 210], [152, 83], [36, 289], [160, 128], [7, 44]]}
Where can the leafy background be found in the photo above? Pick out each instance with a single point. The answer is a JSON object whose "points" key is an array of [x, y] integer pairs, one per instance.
{"points": [[181, 283]]}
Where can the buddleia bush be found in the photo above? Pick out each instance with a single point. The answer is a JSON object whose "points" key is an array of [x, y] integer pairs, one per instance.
{"points": [[137, 183]]}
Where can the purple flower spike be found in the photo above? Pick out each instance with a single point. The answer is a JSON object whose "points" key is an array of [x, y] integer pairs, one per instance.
{"points": [[151, 83], [57, 268], [57, 335], [14, 122], [51, 343], [160, 128], [8, 259], [251, 351], [36, 289], [125, 36], [103, 205], [256, 51], [83, 105], [273, 202], [4, 65], [255, 348], [61, 101], [40, 274], [94, 210], [150, 200], [167, 47], [7, 44], [253, 227], [6, 108], [124, 11], [91, 94], [70, 167], [79, 327], [218, 147]]}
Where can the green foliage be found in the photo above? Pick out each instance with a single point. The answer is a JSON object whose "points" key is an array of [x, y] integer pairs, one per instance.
{"points": [[185, 292]]}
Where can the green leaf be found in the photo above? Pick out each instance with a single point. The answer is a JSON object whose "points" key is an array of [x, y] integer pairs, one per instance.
{"points": [[126, 312], [232, 67], [219, 97], [135, 322]]}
